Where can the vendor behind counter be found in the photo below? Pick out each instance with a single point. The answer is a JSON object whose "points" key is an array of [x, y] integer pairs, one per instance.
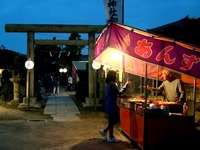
{"points": [[171, 87], [171, 92]]}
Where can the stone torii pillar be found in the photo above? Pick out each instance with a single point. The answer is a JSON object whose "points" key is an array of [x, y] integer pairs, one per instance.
{"points": [[30, 54], [92, 73]]}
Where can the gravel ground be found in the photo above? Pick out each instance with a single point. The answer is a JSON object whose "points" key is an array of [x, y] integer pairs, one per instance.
{"points": [[32, 130]]}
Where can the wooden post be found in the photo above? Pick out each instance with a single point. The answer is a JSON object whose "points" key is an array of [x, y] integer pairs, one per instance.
{"points": [[92, 72]]}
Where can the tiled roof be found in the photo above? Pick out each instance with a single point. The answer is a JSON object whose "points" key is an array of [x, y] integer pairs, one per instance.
{"points": [[180, 23]]}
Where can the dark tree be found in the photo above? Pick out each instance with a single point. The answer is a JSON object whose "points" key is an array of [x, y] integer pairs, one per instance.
{"points": [[185, 30], [7, 86]]}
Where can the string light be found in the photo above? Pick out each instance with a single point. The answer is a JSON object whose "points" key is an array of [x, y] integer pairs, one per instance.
{"points": [[68, 53], [59, 54], [50, 54]]}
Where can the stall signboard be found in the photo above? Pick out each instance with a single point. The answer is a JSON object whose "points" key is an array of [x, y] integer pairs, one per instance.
{"points": [[138, 47]]}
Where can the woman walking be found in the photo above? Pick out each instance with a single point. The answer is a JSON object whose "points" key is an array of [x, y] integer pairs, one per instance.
{"points": [[111, 106]]}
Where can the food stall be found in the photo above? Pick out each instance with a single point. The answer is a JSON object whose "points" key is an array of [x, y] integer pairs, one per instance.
{"points": [[148, 121], [160, 129]]}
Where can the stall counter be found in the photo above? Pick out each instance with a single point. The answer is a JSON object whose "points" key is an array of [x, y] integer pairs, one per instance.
{"points": [[160, 130]]}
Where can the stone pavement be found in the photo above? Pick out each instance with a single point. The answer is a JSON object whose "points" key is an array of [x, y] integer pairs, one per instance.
{"points": [[61, 107]]}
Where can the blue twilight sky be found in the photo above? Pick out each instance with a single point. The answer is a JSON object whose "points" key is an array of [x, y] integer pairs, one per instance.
{"points": [[142, 14]]}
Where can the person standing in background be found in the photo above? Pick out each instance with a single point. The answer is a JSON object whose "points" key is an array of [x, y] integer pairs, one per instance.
{"points": [[70, 83], [111, 106], [56, 84]]}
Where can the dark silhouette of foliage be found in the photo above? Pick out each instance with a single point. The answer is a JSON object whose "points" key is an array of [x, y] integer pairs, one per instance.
{"points": [[14, 62], [49, 58], [7, 86], [11, 60], [185, 30], [46, 59]]}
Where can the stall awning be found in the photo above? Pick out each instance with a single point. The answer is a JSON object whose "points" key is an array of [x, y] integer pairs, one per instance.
{"points": [[137, 47]]}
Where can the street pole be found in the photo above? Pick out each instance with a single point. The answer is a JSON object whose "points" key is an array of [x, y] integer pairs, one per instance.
{"points": [[28, 96], [29, 64]]}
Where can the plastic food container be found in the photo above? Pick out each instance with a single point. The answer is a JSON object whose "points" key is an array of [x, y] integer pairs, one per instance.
{"points": [[165, 109], [153, 106]]}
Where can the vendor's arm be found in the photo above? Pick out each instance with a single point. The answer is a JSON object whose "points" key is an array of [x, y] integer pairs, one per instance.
{"points": [[182, 92], [159, 89]]}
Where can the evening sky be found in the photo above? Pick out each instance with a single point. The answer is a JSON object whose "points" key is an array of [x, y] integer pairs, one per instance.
{"points": [[141, 14]]}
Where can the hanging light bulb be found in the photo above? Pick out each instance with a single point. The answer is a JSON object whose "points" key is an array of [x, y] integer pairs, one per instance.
{"points": [[77, 52], [59, 54], [96, 65], [68, 54], [50, 54], [105, 67]]}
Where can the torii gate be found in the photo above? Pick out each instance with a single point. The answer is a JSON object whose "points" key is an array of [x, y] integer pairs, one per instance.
{"points": [[31, 29]]}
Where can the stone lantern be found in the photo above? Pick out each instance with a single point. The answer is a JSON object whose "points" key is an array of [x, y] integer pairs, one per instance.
{"points": [[16, 87]]}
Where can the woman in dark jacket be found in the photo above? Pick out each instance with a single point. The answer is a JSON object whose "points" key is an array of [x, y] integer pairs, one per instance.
{"points": [[111, 105]]}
